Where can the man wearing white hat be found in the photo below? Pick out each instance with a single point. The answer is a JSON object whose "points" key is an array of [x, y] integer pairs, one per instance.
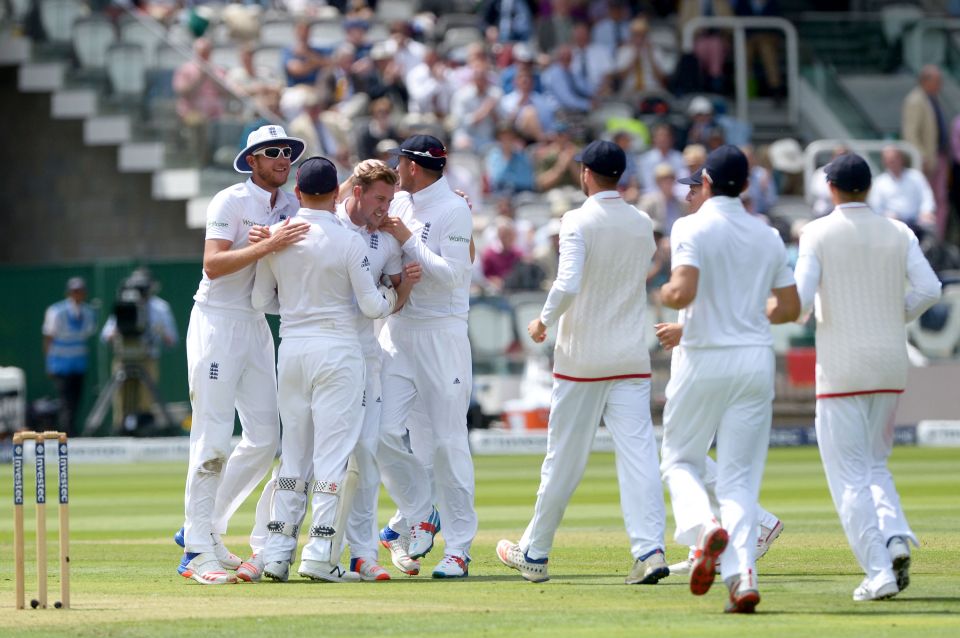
{"points": [[230, 353]]}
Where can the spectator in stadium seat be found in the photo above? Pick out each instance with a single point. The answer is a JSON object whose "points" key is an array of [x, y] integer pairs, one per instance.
{"points": [[406, 52], [553, 159], [386, 80], [355, 33], [428, 86], [764, 42], [521, 58], [703, 125], [662, 204], [379, 128], [615, 30], [200, 98], [591, 63], [530, 112], [637, 70], [818, 188], [571, 92], [924, 125], [554, 23], [320, 138], [500, 257], [903, 193], [249, 80], [629, 184], [302, 62], [343, 83], [711, 47], [762, 188], [473, 109], [509, 20], [662, 152], [508, 167]]}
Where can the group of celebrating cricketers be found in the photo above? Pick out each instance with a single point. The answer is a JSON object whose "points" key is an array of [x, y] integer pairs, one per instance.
{"points": [[372, 379]]}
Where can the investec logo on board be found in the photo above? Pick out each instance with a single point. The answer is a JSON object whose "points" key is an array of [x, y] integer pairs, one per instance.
{"points": [[62, 479], [41, 474], [18, 475]]}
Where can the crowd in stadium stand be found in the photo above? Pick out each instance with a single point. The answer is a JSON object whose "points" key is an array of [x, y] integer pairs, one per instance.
{"points": [[515, 88]]}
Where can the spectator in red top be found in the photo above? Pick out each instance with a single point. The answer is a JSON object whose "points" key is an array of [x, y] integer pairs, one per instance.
{"points": [[502, 256]]}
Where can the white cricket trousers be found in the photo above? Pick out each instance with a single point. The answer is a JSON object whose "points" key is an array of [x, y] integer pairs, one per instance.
{"points": [[855, 436], [321, 381], [430, 360], [361, 531], [575, 411], [725, 393], [230, 366]]}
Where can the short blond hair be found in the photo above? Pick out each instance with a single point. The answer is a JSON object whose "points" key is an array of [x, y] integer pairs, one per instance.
{"points": [[373, 170]]}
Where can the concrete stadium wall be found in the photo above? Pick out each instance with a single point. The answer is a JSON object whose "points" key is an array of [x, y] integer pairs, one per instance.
{"points": [[65, 202]]}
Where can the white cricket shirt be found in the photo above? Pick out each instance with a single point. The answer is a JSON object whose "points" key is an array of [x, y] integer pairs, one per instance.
{"points": [[230, 215], [740, 260], [442, 226], [319, 281], [385, 259]]}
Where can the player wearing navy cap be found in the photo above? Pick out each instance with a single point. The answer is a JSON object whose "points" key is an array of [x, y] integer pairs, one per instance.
{"points": [[316, 286], [426, 355], [853, 266], [601, 370], [725, 265]]}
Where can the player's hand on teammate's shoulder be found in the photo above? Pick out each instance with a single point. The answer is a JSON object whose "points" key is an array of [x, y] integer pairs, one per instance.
{"points": [[413, 271], [465, 197], [396, 227], [258, 233], [669, 335], [537, 331], [290, 231]]}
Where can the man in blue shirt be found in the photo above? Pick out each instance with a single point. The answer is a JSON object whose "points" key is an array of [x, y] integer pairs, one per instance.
{"points": [[67, 325]]}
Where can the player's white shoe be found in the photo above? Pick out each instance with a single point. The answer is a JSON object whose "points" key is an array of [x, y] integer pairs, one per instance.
{"points": [[744, 595], [421, 535], [510, 554], [712, 542], [206, 570], [399, 554], [864, 592], [766, 537], [648, 570], [228, 559], [682, 568], [278, 570], [900, 556], [451, 566], [368, 570], [250, 571], [327, 572]]}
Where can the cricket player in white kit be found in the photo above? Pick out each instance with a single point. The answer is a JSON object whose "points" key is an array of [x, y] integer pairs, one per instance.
{"points": [[669, 335], [230, 356], [601, 370], [366, 201], [427, 356], [725, 265], [854, 265], [318, 285]]}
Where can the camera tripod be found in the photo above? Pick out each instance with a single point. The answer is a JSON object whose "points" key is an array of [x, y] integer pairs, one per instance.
{"points": [[132, 368]]}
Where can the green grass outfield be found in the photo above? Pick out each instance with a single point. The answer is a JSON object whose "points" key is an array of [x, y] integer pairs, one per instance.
{"points": [[125, 583]]}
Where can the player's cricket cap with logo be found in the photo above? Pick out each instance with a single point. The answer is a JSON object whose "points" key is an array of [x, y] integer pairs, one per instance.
{"points": [[849, 172], [727, 166], [694, 179], [603, 157], [269, 135], [425, 150], [317, 176]]}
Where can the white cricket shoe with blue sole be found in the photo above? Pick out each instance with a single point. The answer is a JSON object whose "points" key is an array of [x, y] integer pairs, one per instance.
{"points": [[451, 566]]}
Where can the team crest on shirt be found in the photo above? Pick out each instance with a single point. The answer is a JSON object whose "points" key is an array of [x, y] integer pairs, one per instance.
{"points": [[425, 232], [374, 241]]}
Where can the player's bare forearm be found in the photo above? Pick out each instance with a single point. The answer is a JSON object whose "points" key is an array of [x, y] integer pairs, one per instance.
{"points": [[784, 305], [219, 260], [681, 290]]}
